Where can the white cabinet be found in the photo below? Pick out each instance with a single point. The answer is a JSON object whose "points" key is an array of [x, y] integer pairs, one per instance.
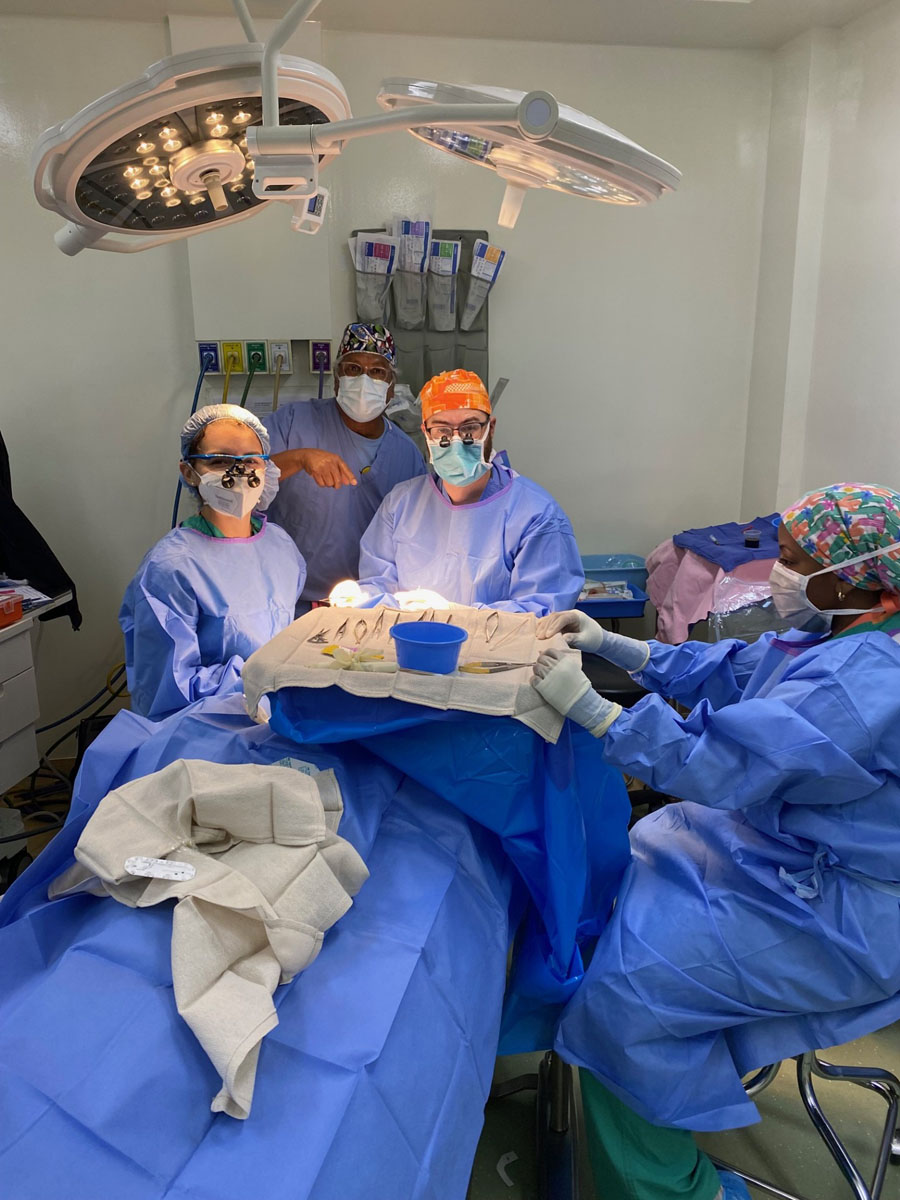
{"points": [[18, 705]]}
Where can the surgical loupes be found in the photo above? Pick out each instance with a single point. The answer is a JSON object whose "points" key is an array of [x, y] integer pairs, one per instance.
{"points": [[237, 470]]}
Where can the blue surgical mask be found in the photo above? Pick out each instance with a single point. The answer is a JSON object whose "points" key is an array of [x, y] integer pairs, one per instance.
{"points": [[459, 463]]}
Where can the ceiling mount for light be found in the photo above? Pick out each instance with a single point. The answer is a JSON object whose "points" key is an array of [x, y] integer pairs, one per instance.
{"points": [[207, 138]]}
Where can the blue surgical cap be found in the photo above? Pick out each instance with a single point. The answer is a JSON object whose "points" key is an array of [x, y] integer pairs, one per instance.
{"points": [[221, 412]]}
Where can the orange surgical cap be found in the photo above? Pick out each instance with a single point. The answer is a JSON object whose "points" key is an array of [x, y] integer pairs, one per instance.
{"points": [[451, 390]]}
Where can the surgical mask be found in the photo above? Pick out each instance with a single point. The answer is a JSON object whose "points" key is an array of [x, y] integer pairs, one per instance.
{"points": [[362, 398], [234, 501], [459, 463], [792, 602]]}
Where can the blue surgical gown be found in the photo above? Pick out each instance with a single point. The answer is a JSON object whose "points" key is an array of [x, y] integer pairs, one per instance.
{"points": [[327, 523], [761, 917], [197, 607], [514, 549]]}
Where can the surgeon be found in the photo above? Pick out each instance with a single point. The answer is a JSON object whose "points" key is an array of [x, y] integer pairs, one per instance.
{"points": [[474, 533], [339, 458], [760, 917], [219, 586]]}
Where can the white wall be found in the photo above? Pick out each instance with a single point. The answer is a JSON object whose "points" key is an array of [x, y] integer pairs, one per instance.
{"points": [[853, 429], [96, 362], [796, 181], [627, 334]]}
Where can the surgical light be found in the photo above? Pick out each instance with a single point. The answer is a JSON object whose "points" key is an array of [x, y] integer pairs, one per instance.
{"points": [[556, 147], [220, 112]]}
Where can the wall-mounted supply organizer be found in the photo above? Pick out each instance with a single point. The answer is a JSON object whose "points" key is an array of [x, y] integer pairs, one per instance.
{"points": [[438, 343]]}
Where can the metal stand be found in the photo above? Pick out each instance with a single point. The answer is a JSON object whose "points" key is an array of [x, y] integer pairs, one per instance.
{"points": [[557, 1147], [875, 1079]]}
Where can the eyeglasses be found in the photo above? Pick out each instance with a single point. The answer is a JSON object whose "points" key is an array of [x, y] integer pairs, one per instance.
{"points": [[469, 432], [353, 371], [234, 466]]}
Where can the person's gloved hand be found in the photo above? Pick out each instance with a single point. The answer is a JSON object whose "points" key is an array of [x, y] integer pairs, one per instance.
{"points": [[579, 630], [584, 633], [419, 599], [346, 594], [562, 683]]}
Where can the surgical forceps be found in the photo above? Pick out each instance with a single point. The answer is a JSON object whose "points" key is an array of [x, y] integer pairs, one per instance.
{"points": [[491, 629]]}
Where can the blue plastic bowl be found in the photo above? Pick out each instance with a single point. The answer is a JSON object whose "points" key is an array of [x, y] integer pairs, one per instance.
{"points": [[428, 646]]}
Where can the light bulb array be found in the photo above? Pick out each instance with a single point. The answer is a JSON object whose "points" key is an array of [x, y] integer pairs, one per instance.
{"points": [[130, 185]]}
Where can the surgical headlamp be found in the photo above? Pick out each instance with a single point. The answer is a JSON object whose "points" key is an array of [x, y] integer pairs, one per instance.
{"points": [[207, 138]]}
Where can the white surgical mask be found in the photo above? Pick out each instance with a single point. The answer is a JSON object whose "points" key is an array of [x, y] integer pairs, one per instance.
{"points": [[362, 398], [792, 602], [235, 501]]}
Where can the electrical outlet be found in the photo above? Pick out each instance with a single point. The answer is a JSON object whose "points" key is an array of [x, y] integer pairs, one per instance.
{"points": [[233, 353], [210, 349], [258, 357], [282, 350], [319, 357]]}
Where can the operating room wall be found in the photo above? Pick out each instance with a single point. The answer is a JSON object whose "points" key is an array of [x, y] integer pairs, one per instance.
{"points": [[97, 358], [627, 334], [783, 352], [853, 426]]}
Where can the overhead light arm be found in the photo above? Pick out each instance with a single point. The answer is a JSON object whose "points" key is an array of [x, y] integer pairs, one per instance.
{"points": [[243, 15], [286, 156], [298, 12]]}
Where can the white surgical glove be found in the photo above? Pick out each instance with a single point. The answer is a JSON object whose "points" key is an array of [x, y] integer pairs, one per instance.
{"points": [[579, 630], [346, 594], [562, 683], [421, 598], [584, 633]]}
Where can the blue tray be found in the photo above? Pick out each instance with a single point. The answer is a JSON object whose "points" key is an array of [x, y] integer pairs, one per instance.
{"points": [[598, 609], [630, 567]]}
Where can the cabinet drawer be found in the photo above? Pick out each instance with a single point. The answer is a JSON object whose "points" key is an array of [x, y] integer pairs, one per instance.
{"points": [[18, 757], [15, 654], [18, 704]]}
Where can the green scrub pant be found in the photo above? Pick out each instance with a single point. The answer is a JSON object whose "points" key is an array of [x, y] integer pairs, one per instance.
{"points": [[634, 1160]]}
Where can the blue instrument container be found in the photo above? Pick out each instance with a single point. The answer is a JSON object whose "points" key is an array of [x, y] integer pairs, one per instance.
{"points": [[431, 646]]}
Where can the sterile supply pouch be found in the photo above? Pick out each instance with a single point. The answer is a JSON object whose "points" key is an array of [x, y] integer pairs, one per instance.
{"points": [[409, 300], [486, 263], [443, 269], [375, 258], [414, 239]]}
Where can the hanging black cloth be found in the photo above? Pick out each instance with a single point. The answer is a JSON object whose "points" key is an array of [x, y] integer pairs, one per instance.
{"points": [[25, 555]]}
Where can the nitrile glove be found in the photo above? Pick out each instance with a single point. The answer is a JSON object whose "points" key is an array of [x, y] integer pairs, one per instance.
{"points": [[561, 682], [584, 633]]}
